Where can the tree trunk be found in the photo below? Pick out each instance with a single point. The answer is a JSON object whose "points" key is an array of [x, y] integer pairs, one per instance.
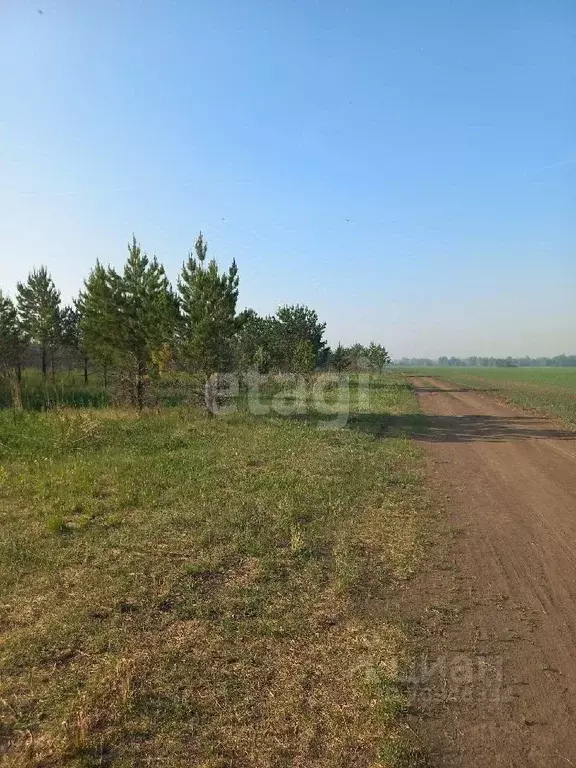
{"points": [[210, 393], [140, 381], [52, 365], [16, 389], [85, 370], [44, 364]]}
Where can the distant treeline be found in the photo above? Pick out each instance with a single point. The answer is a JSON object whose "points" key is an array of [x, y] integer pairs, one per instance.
{"points": [[135, 324], [492, 362]]}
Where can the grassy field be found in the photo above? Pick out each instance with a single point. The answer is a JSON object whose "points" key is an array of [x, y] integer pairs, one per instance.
{"points": [[206, 592], [549, 390]]}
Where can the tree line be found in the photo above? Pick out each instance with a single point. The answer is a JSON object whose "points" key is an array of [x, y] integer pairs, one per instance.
{"points": [[559, 361], [135, 322]]}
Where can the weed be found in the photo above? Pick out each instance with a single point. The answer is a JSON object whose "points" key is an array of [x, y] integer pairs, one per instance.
{"points": [[57, 524]]}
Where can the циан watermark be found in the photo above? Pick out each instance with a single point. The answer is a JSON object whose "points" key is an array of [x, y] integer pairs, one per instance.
{"points": [[471, 678]]}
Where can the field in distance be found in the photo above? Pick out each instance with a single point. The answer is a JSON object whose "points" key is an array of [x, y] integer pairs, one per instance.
{"points": [[209, 592], [551, 391]]}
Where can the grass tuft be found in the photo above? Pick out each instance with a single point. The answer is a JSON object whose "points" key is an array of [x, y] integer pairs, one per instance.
{"points": [[57, 524]]}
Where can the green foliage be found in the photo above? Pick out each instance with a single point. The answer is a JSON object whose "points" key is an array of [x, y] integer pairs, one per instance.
{"points": [[291, 340], [98, 315], [70, 335], [128, 317], [253, 342], [12, 339], [146, 307], [39, 307], [68, 390], [341, 358], [261, 343], [304, 357], [132, 327], [294, 325], [378, 356], [208, 306], [12, 347], [359, 357]]}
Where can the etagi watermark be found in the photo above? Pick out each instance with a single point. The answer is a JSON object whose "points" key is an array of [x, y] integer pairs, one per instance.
{"points": [[328, 397]]}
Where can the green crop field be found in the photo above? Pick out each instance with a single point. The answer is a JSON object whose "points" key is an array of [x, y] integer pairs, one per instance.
{"points": [[549, 390], [193, 591]]}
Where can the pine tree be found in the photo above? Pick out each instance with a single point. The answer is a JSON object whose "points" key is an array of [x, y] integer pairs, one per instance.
{"points": [[12, 346], [293, 325], [252, 343], [96, 306], [377, 355], [208, 305], [358, 354], [39, 307], [128, 317], [341, 358]]}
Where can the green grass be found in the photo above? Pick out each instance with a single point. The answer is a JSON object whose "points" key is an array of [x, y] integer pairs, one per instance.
{"points": [[68, 389], [207, 592], [551, 391]]}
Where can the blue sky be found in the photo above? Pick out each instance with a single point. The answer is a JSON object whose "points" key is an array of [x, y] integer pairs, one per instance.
{"points": [[406, 168]]}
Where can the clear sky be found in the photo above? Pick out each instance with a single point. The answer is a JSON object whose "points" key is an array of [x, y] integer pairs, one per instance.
{"points": [[406, 168]]}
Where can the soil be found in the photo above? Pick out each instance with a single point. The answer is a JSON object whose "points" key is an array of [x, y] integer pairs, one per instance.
{"points": [[496, 685]]}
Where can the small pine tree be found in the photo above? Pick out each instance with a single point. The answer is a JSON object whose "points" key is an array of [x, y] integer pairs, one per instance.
{"points": [[96, 307], [39, 307], [128, 317], [378, 356], [295, 324], [252, 343], [208, 305], [147, 313], [340, 359], [358, 357]]}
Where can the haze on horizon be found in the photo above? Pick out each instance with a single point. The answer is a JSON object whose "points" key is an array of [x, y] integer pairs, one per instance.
{"points": [[408, 171]]}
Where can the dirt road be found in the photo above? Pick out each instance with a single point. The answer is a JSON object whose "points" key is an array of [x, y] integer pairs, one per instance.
{"points": [[502, 627]]}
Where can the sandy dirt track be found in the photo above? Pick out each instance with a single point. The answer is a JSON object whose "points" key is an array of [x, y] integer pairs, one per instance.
{"points": [[504, 598]]}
